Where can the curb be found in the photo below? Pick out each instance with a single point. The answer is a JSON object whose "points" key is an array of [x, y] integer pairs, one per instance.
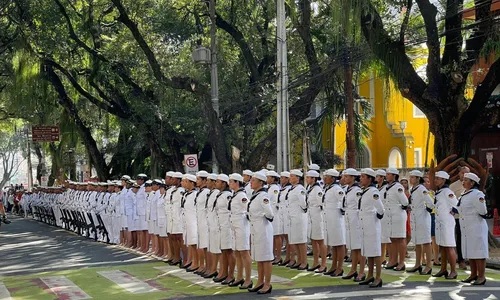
{"points": [[493, 264]]}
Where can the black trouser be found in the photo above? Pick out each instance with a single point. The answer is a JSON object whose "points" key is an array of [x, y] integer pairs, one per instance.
{"points": [[458, 239]]}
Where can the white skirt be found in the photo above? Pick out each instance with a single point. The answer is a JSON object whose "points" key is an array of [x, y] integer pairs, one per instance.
{"points": [[353, 230], [445, 231], [298, 229]]}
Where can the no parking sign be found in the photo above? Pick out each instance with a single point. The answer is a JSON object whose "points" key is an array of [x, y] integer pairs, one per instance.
{"points": [[191, 163]]}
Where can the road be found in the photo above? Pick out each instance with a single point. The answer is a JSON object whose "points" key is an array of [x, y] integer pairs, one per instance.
{"points": [[44, 262]]}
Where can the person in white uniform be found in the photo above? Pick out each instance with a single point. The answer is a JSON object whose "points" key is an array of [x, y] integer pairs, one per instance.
{"points": [[190, 224], [214, 252], [155, 198], [334, 221], [226, 268], [353, 227], [260, 215], [170, 187], [141, 225], [247, 175], [381, 184], [314, 197], [273, 189], [240, 228], [446, 202], [162, 219], [201, 215], [150, 219], [283, 229], [421, 205], [297, 211], [371, 211], [396, 205], [176, 228], [472, 209]]}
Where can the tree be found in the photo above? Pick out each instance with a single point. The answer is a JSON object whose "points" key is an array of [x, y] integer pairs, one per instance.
{"points": [[441, 95], [10, 148]]}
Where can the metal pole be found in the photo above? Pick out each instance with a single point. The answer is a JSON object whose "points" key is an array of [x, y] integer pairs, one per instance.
{"points": [[282, 95], [279, 97], [214, 78], [30, 169]]}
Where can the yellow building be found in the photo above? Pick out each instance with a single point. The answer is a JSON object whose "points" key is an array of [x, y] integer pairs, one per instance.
{"points": [[399, 134]]}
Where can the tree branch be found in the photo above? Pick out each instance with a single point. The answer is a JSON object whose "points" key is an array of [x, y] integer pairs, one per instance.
{"points": [[453, 33], [404, 24]]}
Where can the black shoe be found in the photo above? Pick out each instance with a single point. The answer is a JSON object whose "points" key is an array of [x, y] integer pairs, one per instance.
{"points": [[313, 268], [256, 289], [269, 290], [320, 271], [237, 283], [186, 266], [329, 272], [414, 270], [353, 275], [360, 279], [373, 285], [390, 267], [400, 269], [225, 282], [214, 274], [426, 273], [220, 279], [277, 262], [367, 281], [441, 274], [479, 283], [295, 266], [284, 263], [303, 268], [191, 270], [338, 275], [452, 277], [469, 279], [310, 253], [242, 287]]}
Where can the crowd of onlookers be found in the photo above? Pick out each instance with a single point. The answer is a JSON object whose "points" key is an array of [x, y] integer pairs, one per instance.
{"points": [[10, 197]]}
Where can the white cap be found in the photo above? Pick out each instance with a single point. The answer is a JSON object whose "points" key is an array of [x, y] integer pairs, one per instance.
{"points": [[223, 177], [142, 175], [285, 174], [472, 177], [149, 182], [170, 174], [157, 181], [351, 172], [368, 172], [314, 167], [312, 173], [125, 177], [272, 174], [212, 176], [260, 176], [189, 177], [442, 174], [296, 172], [236, 177], [381, 172], [416, 173], [178, 175], [392, 171], [331, 172], [248, 172], [203, 174]]}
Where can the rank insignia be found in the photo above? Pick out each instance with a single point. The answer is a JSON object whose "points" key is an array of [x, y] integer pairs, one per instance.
{"points": [[244, 200], [266, 201], [425, 192], [376, 196], [358, 194], [451, 195], [400, 190], [320, 194], [302, 192], [341, 193], [276, 192], [481, 200]]}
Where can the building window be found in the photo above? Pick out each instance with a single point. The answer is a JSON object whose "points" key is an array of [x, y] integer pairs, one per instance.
{"points": [[417, 113], [417, 159]]}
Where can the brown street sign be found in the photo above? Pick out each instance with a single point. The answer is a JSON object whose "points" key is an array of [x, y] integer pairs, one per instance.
{"points": [[45, 133]]}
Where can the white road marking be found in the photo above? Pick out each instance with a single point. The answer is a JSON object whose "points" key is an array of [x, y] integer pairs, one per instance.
{"points": [[64, 288], [4, 292], [128, 282]]}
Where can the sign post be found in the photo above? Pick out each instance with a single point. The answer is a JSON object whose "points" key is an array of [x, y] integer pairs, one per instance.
{"points": [[191, 163], [45, 133], [489, 159]]}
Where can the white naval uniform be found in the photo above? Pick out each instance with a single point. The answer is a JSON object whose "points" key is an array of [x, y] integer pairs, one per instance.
{"points": [[149, 217], [213, 223], [273, 192], [161, 217], [140, 215], [168, 207], [223, 216], [420, 219], [177, 223], [334, 220], [385, 222], [370, 205], [154, 212], [395, 197], [261, 215], [248, 189], [297, 210], [314, 199], [201, 214], [445, 222], [353, 227], [240, 227], [474, 229], [281, 222], [190, 224], [130, 208]]}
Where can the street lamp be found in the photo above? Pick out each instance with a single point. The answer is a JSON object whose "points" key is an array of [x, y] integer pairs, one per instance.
{"points": [[402, 126]]}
